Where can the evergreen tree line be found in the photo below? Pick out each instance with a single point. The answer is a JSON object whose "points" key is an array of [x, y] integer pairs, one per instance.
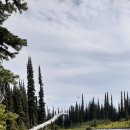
{"points": [[29, 107], [94, 111]]}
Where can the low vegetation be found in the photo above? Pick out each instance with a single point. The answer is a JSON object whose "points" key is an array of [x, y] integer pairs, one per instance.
{"points": [[115, 125], [7, 119], [102, 124]]}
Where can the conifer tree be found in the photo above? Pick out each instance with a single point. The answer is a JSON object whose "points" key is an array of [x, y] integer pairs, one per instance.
{"points": [[66, 121], [105, 106], [41, 109], [107, 100], [127, 101], [9, 41], [122, 108], [31, 94], [94, 108], [111, 109], [124, 104], [86, 114], [60, 120], [24, 103], [53, 111], [98, 110], [82, 109], [76, 113], [119, 111], [10, 45], [102, 112], [127, 106], [18, 108], [17, 100], [49, 115], [8, 98]]}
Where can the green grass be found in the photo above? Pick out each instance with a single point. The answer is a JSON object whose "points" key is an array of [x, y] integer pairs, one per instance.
{"points": [[114, 125], [102, 125], [76, 128]]}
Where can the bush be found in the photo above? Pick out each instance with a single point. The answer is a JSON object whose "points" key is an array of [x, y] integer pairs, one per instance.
{"points": [[93, 123], [7, 119], [89, 128]]}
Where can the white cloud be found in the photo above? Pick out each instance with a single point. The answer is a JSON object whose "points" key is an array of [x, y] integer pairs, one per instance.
{"points": [[82, 44]]}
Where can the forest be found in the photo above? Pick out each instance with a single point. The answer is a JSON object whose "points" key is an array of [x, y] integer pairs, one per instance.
{"points": [[28, 110]]}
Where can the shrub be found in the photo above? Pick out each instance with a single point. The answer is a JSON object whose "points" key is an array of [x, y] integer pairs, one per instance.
{"points": [[89, 128]]}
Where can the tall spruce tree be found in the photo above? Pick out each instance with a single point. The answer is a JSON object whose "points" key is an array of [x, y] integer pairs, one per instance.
{"points": [[86, 114], [124, 104], [105, 107], [102, 112], [18, 107], [17, 100], [41, 109], [82, 109], [111, 110], [8, 98], [24, 101], [98, 110], [127, 106], [122, 108], [76, 113], [31, 94]]}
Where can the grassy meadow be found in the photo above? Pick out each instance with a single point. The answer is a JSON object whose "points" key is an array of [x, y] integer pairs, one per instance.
{"points": [[101, 125]]}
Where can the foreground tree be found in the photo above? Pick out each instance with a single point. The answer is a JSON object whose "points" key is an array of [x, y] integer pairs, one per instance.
{"points": [[7, 39], [10, 45], [6, 78]]}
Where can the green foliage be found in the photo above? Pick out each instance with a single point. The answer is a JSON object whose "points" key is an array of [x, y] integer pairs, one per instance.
{"points": [[7, 7], [102, 124], [8, 101], [6, 76], [2, 117], [16, 101], [7, 39], [53, 127], [32, 106], [93, 123], [114, 125], [41, 108], [24, 103], [11, 116], [7, 119], [94, 112], [10, 45], [89, 128]]}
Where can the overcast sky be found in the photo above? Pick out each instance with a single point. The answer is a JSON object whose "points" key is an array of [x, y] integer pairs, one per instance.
{"points": [[83, 46]]}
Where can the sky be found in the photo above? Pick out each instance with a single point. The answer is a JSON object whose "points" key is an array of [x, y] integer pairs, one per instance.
{"points": [[82, 46]]}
